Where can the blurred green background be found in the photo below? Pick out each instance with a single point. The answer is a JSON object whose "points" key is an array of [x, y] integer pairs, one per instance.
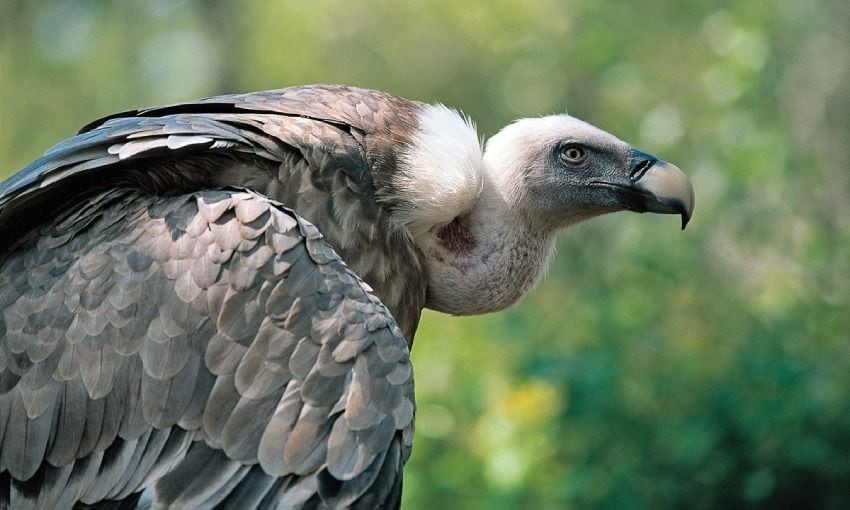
{"points": [[652, 368]]}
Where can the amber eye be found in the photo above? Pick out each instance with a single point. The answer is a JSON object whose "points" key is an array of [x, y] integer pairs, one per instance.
{"points": [[573, 154]]}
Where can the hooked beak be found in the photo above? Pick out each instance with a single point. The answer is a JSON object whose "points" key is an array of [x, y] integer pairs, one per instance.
{"points": [[658, 186]]}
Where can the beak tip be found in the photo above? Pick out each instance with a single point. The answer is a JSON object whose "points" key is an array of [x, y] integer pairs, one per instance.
{"points": [[689, 207], [670, 189]]}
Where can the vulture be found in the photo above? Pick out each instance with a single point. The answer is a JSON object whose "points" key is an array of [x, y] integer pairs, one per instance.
{"points": [[212, 304]]}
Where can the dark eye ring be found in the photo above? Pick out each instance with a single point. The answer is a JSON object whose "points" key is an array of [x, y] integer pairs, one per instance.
{"points": [[573, 153]]}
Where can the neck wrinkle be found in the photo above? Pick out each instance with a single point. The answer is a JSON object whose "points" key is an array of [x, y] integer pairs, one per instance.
{"points": [[508, 258]]}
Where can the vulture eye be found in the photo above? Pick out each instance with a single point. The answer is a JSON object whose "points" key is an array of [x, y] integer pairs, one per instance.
{"points": [[573, 154]]}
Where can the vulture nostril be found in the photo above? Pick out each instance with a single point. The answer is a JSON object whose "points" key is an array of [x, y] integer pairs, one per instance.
{"points": [[640, 169]]}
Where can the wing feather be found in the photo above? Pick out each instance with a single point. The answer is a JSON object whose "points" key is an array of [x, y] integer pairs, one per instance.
{"points": [[55, 481], [146, 443], [71, 421], [116, 460]]}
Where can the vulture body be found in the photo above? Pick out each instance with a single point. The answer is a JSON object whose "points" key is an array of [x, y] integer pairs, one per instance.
{"points": [[211, 304]]}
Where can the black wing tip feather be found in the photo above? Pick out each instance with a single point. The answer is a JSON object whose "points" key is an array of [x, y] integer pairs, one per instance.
{"points": [[229, 103], [225, 103]]}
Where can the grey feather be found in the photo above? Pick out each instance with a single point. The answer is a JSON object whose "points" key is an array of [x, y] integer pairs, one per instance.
{"points": [[54, 482], [82, 477], [341, 495], [303, 358], [133, 423], [25, 440], [98, 369], [320, 390], [145, 456], [168, 458], [222, 401], [307, 442], [241, 435], [165, 401], [254, 487], [113, 412], [37, 399], [193, 417], [164, 358], [277, 431], [257, 376], [350, 451], [223, 355], [93, 424], [203, 471], [115, 461], [71, 421], [239, 317]]}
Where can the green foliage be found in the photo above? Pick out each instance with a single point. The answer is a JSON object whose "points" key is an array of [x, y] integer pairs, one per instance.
{"points": [[652, 368]]}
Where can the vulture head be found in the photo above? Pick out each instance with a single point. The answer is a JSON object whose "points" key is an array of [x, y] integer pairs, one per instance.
{"points": [[488, 224]]}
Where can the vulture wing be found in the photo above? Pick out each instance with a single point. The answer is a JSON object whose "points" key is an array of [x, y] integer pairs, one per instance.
{"points": [[168, 328]]}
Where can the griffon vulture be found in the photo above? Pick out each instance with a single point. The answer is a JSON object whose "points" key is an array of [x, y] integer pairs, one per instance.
{"points": [[211, 304]]}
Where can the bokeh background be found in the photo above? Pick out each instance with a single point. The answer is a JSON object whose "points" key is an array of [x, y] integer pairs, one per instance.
{"points": [[652, 368]]}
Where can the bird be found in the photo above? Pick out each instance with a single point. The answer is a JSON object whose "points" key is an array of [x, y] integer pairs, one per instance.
{"points": [[212, 304]]}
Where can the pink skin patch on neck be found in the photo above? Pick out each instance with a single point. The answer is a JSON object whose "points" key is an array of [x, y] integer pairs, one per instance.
{"points": [[456, 238]]}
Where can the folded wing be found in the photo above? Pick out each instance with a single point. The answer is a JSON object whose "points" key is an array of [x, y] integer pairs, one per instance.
{"points": [[166, 330]]}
